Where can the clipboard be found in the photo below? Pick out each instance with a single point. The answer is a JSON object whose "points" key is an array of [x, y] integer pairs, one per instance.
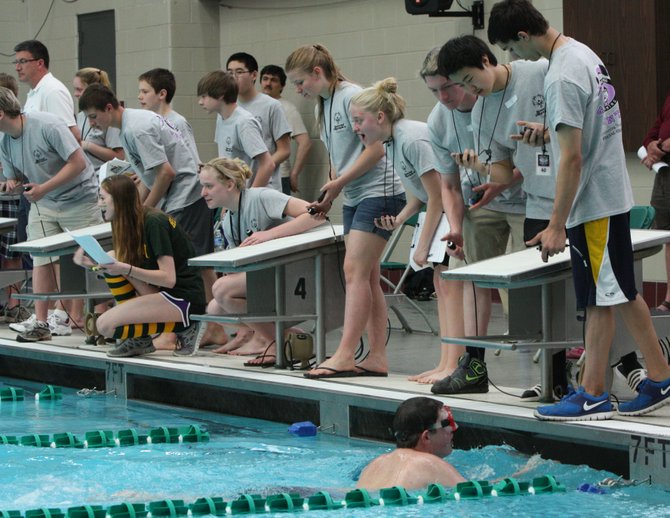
{"points": [[438, 248], [92, 248]]}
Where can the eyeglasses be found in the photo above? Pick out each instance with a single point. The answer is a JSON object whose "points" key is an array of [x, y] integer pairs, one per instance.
{"points": [[444, 423], [238, 72], [23, 61]]}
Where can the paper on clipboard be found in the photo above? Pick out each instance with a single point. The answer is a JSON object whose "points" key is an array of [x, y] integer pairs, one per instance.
{"points": [[642, 154], [114, 167], [438, 248], [92, 248]]}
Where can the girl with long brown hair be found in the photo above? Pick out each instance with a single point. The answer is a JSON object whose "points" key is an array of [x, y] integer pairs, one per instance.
{"points": [[155, 289]]}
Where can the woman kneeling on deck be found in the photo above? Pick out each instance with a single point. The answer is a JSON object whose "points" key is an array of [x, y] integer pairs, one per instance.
{"points": [[155, 289], [255, 215]]}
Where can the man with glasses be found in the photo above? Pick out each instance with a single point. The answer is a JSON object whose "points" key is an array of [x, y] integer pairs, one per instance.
{"points": [[38, 152], [268, 111], [47, 94], [424, 431]]}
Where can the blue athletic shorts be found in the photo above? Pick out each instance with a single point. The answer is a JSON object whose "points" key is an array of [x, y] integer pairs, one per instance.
{"points": [[362, 216], [602, 262]]}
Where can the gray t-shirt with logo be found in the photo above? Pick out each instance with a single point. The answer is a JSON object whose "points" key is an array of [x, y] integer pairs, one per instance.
{"points": [[580, 94], [40, 153], [523, 101], [344, 147], [261, 208], [412, 155], [451, 131], [110, 139], [149, 141], [179, 121], [240, 136], [270, 114]]}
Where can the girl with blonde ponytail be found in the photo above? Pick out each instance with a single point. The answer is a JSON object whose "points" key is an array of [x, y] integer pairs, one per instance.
{"points": [[253, 216], [362, 173], [378, 117]]}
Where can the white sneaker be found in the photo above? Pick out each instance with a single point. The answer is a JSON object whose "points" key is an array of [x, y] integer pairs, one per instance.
{"points": [[25, 326], [58, 325]]}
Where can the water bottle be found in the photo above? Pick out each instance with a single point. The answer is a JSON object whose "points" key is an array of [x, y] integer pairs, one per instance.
{"points": [[218, 239]]}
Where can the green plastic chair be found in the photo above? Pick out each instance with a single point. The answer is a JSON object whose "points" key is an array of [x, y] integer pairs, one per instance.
{"points": [[642, 216]]}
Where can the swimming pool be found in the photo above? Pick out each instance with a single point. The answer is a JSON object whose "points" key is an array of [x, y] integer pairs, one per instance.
{"points": [[250, 456]]}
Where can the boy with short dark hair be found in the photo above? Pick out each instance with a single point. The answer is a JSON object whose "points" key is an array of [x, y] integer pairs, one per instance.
{"points": [[273, 81], [165, 162], [268, 111], [157, 88], [593, 200], [238, 134]]}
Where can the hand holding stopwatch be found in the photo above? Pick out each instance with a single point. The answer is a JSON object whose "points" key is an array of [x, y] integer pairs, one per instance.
{"points": [[312, 210]]}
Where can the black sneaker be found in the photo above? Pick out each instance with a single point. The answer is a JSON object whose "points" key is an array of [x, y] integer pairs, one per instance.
{"points": [[133, 347], [39, 332], [633, 377], [665, 348], [470, 377], [188, 340], [535, 393]]}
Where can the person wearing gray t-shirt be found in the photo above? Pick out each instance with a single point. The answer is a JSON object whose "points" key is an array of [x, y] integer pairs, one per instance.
{"points": [[509, 94], [253, 216], [267, 111], [39, 151], [371, 190], [593, 199], [165, 163], [238, 134]]}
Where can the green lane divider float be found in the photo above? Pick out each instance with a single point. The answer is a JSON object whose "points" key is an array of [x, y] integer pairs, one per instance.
{"points": [[45, 513], [87, 511], [48, 393], [109, 439], [292, 502], [215, 506], [126, 510], [11, 394]]}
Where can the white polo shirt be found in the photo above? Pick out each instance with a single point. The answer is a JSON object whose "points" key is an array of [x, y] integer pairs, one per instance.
{"points": [[52, 96]]}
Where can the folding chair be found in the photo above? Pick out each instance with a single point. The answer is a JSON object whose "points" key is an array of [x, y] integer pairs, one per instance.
{"points": [[396, 299]]}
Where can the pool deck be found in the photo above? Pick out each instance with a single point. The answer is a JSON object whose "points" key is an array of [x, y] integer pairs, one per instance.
{"points": [[633, 447]]}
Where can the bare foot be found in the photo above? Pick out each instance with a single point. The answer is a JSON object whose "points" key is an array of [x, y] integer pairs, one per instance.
{"points": [[214, 335], [332, 365], [242, 337], [436, 376], [417, 377], [372, 366], [253, 347], [267, 358], [166, 342]]}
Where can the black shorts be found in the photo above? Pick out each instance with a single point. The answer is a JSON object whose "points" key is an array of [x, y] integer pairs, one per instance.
{"points": [[602, 262], [197, 220]]}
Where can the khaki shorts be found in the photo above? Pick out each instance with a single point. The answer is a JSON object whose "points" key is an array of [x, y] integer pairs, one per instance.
{"points": [[486, 233], [43, 222]]}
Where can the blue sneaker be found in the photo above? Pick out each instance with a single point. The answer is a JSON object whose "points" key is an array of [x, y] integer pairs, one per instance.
{"points": [[651, 395], [577, 406]]}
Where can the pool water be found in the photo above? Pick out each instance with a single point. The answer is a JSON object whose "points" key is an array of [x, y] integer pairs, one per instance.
{"points": [[252, 456]]}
